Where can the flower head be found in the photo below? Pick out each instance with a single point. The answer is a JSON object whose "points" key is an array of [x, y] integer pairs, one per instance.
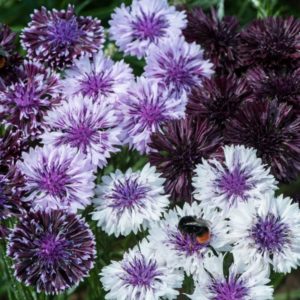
{"points": [[140, 275], [242, 282], [181, 250], [83, 124], [144, 108], [25, 102], [51, 250], [269, 234], [218, 99], [280, 86], [273, 130], [179, 65], [219, 38], [56, 38], [127, 202], [272, 42], [99, 78], [239, 177], [57, 177], [9, 58], [178, 148], [144, 23]]}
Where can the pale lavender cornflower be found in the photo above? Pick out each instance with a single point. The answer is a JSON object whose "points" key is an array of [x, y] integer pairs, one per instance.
{"points": [[56, 38], [181, 250], [242, 282], [178, 64], [238, 177], [100, 78], [269, 234], [128, 202], [144, 23], [140, 275], [57, 177], [88, 126], [144, 108]]}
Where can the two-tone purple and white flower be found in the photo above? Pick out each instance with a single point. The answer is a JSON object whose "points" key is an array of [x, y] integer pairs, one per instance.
{"points": [[57, 178], [127, 202], [88, 126], [144, 23], [141, 274], [238, 177], [178, 64], [242, 282], [144, 108], [269, 234], [183, 251], [98, 77]]}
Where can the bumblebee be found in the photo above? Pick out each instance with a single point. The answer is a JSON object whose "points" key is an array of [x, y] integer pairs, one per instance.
{"points": [[196, 227]]}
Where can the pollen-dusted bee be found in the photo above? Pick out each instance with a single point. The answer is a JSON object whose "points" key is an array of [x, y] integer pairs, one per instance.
{"points": [[196, 227]]}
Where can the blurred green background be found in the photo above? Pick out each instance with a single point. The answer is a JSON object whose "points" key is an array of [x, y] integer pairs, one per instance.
{"points": [[16, 14]]}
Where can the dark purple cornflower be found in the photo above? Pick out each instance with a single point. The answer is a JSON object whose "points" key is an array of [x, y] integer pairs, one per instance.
{"points": [[11, 146], [9, 58], [272, 85], [273, 130], [56, 38], [272, 42], [25, 102], [219, 38], [51, 250], [218, 99], [178, 148]]}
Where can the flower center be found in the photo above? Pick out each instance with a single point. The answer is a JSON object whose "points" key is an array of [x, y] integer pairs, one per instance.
{"points": [[149, 27], [139, 272], [232, 289], [25, 96], [80, 137], [53, 249], [151, 115], [96, 84], [64, 32], [234, 183], [54, 182], [186, 243], [127, 194], [270, 234]]}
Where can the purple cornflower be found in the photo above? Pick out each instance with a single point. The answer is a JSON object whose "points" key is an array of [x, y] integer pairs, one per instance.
{"points": [[140, 275], [242, 282], [144, 108], [57, 177], [25, 102], [56, 38], [127, 202], [272, 85], [273, 130], [219, 38], [51, 250], [178, 148], [144, 23], [218, 99], [178, 64], [272, 42], [268, 234], [9, 58], [98, 78], [91, 127]]}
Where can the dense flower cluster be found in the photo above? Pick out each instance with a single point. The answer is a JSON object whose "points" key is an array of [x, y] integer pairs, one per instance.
{"points": [[176, 170]]}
